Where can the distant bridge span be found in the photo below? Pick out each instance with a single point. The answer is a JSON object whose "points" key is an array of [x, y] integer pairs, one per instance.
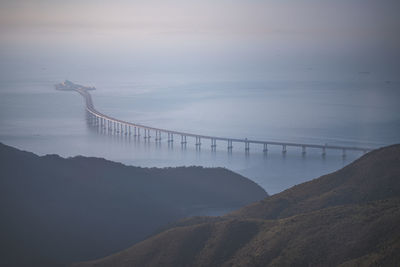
{"points": [[128, 128]]}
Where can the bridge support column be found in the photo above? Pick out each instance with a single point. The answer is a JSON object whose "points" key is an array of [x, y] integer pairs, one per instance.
{"points": [[170, 137], [323, 151], [343, 152], [284, 149], [157, 136], [246, 147], [213, 144], [230, 145], [265, 149], [198, 142], [129, 129], [183, 139], [303, 150]]}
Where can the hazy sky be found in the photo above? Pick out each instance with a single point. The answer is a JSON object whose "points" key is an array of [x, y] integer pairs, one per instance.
{"points": [[344, 17], [267, 31]]}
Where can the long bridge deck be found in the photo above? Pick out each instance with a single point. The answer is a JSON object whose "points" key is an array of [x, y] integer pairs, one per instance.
{"points": [[128, 128]]}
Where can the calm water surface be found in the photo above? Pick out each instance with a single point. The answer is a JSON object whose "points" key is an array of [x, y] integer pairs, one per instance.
{"points": [[37, 118], [272, 88]]}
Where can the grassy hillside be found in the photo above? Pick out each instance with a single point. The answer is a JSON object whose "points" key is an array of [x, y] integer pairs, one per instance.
{"points": [[374, 176], [348, 218], [63, 210]]}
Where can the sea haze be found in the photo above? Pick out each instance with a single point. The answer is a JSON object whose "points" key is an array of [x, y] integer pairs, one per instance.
{"points": [[281, 84]]}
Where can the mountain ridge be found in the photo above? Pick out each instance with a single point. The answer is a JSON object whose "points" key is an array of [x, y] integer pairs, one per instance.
{"points": [[347, 218]]}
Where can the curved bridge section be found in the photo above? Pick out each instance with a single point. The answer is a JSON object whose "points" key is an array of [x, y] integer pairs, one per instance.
{"points": [[121, 127]]}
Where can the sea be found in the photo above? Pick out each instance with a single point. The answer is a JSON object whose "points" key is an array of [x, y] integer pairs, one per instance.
{"points": [[239, 90]]}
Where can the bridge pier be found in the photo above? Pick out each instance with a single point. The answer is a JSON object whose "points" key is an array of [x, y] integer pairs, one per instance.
{"points": [[198, 142], [213, 144], [246, 146], [183, 139], [230, 145], [343, 152], [284, 149], [265, 149], [158, 136], [147, 134], [323, 152], [303, 150], [170, 137]]}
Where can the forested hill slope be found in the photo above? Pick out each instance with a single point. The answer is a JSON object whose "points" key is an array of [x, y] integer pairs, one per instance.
{"points": [[57, 210]]}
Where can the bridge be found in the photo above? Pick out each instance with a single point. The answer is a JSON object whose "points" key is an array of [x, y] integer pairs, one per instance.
{"points": [[116, 126]]}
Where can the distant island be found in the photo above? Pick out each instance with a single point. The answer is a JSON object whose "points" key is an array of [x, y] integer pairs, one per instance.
{"points": [[55, 210], [70, 86]]}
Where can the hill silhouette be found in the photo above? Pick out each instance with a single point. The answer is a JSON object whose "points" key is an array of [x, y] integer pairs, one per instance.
{"points": [[55, 210], [347, 218]]}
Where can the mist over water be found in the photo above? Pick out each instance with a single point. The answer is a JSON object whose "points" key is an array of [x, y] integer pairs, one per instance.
{"points": [[276, 86]]}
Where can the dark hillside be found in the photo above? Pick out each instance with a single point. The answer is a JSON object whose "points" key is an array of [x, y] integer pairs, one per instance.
{"points": [[62, 210], [374, 176], [347, 218]]}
